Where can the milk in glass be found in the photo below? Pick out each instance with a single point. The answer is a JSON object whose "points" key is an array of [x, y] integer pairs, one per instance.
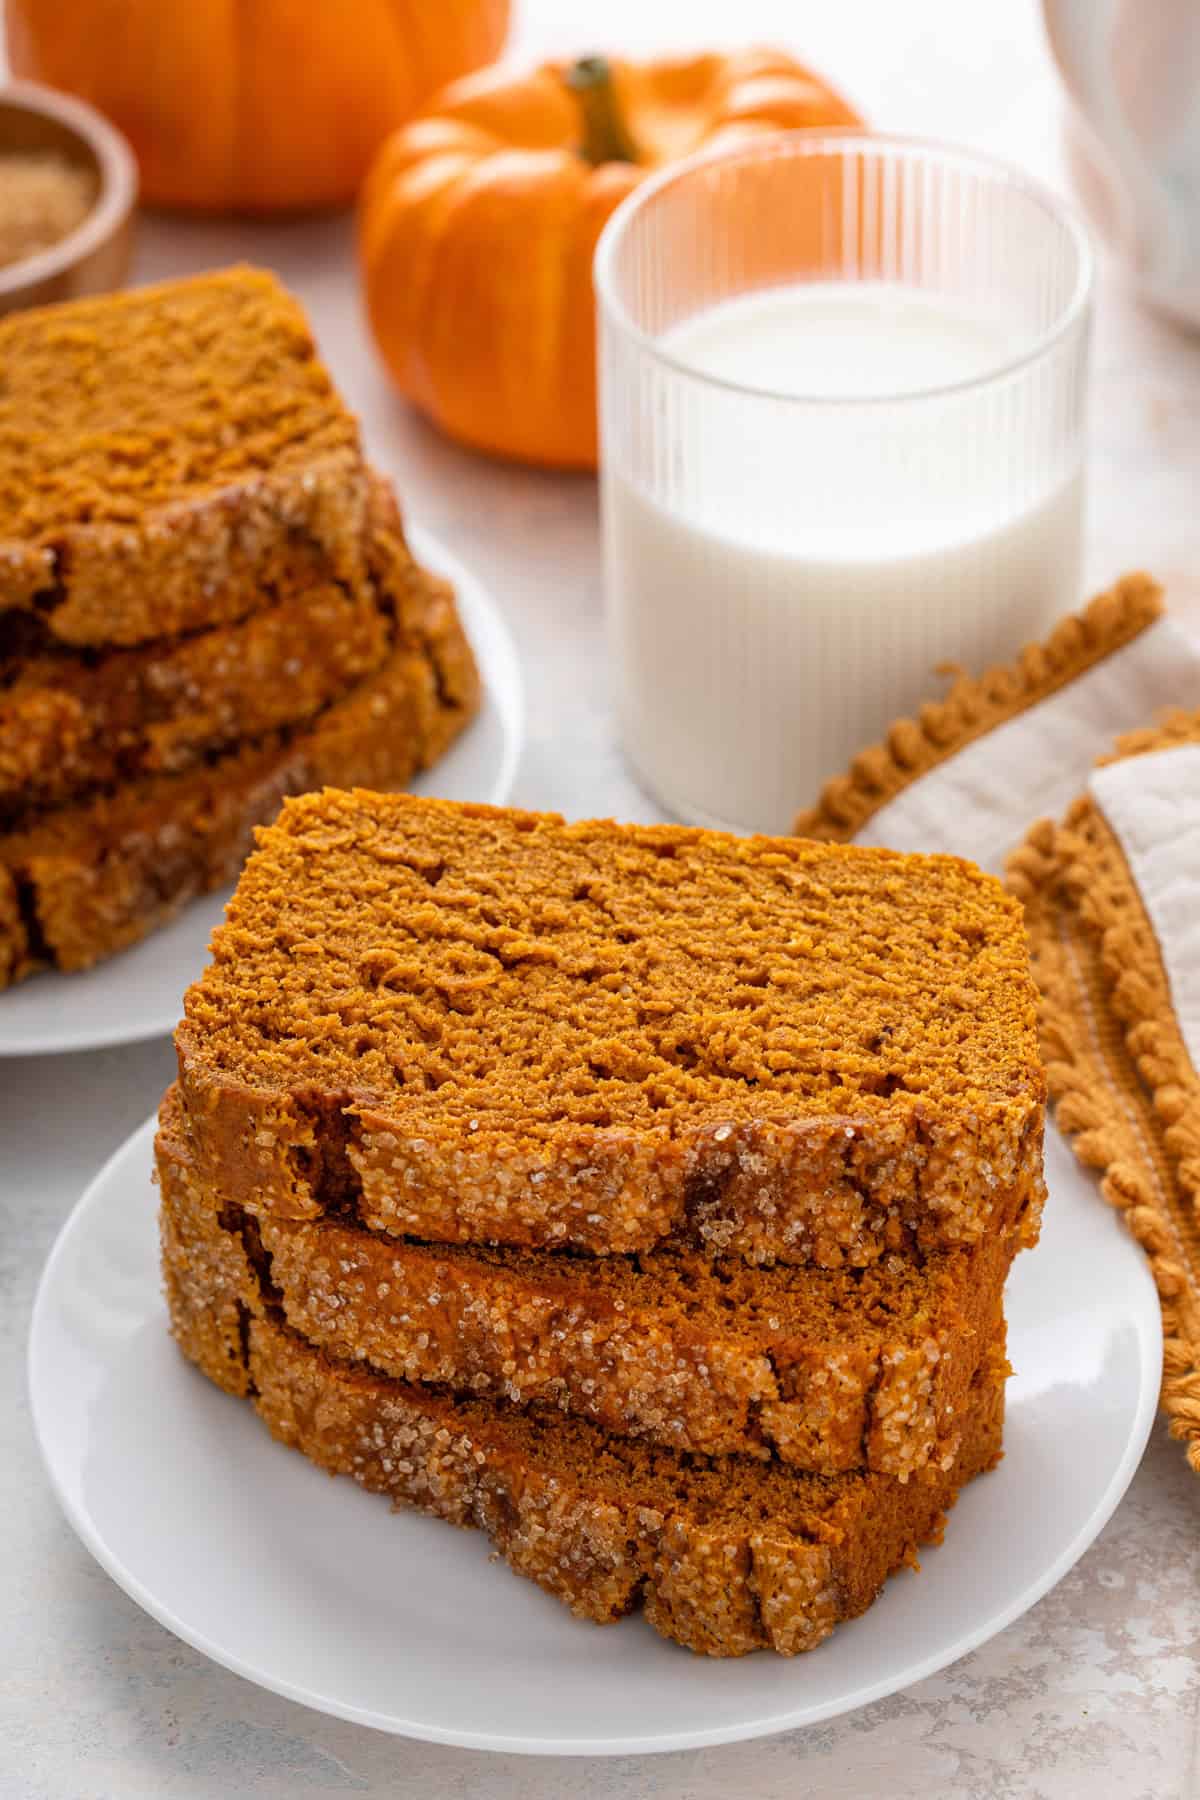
{"points": [[787, 592]]}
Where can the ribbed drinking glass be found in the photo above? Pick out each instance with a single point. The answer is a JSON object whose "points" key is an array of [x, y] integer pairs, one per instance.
{"points": [[842, 396]]}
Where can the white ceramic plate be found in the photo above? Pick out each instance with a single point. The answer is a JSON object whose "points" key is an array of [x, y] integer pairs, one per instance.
{"points": [[317, 1590], [136, 995]]}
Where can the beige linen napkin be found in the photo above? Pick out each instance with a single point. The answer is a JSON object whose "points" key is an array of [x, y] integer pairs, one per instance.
{"points": [[1111, 896]]}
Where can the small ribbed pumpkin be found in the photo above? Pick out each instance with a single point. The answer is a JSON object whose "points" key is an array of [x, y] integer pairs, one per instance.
{"points": [[479, 219], [253, 105]]}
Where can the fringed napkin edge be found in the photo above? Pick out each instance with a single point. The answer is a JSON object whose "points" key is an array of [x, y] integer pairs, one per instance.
{"points": [[1126, 1093], [973, 706]]}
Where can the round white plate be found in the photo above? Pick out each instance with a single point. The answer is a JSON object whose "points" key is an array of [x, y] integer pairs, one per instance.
{"points": [[319, 1591], [136, 995]]}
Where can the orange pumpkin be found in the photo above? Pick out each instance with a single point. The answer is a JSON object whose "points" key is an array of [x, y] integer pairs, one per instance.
{"points": [[253, 105], [479, 220]]}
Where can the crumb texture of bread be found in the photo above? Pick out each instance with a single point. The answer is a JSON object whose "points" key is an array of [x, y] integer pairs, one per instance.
{"points": [[485, 1026], [829, 1370], [726, 1554], [160, 452]]}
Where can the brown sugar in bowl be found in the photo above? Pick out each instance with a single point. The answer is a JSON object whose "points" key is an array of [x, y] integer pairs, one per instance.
{"points": [[94, 257]]}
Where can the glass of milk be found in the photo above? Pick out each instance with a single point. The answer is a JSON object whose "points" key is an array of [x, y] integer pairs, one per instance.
{"points": [[842, 397]]}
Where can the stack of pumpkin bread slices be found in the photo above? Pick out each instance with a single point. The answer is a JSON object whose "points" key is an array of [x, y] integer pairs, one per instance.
{"points": [[641, 1195], [206, 603]]}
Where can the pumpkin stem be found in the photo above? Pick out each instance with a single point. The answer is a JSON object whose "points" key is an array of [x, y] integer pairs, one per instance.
{"points": [[606, 136]]}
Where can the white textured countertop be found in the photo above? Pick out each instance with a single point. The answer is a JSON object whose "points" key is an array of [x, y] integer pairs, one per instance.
{"points": [[1094, 1692]]}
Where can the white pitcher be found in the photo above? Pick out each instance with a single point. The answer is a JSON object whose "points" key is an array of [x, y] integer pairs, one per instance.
{"points": [[1132, 69]]}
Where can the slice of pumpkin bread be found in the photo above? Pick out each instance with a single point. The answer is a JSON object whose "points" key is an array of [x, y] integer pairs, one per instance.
{"points": [[476, 1025], [89, 880], [830, 1370], [726, 1554], [161, 450]]}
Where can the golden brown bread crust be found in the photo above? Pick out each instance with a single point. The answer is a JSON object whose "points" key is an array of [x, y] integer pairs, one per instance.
{"points": [[88, 881], [830, 1371], [160, 450], [726, 1555], [504, 1029]]}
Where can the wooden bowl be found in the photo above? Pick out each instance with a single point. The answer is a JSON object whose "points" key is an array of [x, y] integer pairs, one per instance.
{"points": [[94, 258]]}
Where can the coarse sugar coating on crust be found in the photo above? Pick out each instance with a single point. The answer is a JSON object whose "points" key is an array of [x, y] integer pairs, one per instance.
{"points": [[828, 1370], [161, 449], [90, 880], [724, 1555], [490, 1026], [821, 1382]]}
